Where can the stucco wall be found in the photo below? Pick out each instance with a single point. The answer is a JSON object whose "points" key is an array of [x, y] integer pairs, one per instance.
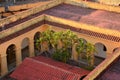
{"points": [[94, 5], [21, 26], [82, 25], [110, 2], [2, 9], [92, 39], [29, 12]]}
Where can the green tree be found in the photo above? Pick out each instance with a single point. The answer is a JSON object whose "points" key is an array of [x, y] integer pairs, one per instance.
{"points": [[66, 39], [61, 55], [80, 47], [43, 42], [90, 50]]}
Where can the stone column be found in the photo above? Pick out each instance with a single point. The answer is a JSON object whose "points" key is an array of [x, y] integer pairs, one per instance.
{"points": [[18, 55], [108, 54], [109, 51], [4, 68], [74, 53], [31, 48]]}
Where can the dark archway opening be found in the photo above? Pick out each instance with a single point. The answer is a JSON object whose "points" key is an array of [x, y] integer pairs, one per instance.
{"points": [[83, 77], [36, 37], [25, 48], [84, 40], [101, 53], [11, 57], [116, 49]]}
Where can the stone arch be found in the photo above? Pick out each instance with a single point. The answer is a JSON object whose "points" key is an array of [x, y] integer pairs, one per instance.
{"points": [[85, 41], [115, 49], [36, 36], [101, 53], [11, 57], [25, 48]]}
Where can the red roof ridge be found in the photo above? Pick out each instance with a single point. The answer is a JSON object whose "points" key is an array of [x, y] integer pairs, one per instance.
{"points": [[44, 68]]}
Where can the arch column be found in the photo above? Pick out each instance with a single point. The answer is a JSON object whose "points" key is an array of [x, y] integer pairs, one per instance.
{"points": [[4, 68], [18, 55], [31, 47], [109, 51], [74, 53]]}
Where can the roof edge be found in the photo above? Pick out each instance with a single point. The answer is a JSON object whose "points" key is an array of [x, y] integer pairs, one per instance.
{"points": [[30, 12], [101, 67], [94, 5]]}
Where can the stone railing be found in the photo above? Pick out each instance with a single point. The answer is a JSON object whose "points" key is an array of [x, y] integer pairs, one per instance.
{"points": [[26, 6], [21, 26], [23, 6], [101, 67], [30, 12], [79, 25], [94, 5]]}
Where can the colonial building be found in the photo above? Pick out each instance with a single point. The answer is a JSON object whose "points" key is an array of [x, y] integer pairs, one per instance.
{"points": [[93, 22]]}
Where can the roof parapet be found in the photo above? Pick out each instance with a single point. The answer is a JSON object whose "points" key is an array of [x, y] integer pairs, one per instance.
{"points": [[101, 67], [30, 12], [94, 5]]}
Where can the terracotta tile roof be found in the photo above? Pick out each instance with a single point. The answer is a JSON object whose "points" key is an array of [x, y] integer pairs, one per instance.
{"points": [[64, 66], [41, 68]]}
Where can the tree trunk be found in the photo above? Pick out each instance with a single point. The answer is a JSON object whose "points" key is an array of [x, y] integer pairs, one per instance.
{"points": [[92, 61]]}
